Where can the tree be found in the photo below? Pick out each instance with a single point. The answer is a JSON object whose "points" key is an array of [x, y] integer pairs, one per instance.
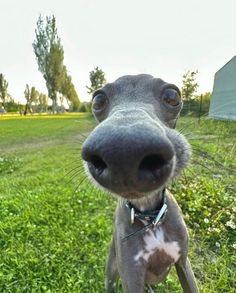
{"points": [[43, 103], [203, 101], [50, 56], [3, 90], [13, 106], [27, 97], [85, 107], [190, 85], [206, 97], [32, 98], [97, 79], [69, 92]]}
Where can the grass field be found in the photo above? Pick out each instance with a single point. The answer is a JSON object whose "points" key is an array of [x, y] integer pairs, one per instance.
{"points": [[54, 234]]}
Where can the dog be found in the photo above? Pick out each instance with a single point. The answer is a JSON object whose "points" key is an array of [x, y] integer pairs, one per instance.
{"points": [[133, 153]]}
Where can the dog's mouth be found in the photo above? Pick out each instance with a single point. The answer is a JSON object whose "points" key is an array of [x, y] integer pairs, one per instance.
{"points": [[133, 194]]}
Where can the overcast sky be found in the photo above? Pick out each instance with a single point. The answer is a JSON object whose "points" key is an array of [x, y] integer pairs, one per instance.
{"points": [[163, 38]]}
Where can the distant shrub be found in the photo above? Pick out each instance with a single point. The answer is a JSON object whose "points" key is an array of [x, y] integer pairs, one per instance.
{"points": [[85, 107]]}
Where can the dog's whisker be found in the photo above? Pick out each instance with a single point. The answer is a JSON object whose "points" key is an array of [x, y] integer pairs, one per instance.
{"points": [[80, 183], [205, 155], [203, 165], [75, 175], [74, 169]]}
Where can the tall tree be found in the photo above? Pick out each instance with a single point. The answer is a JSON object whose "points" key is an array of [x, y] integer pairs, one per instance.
{"points": [[32, 98], [43, 103], [50, 56], [97, 80], [190, 85], [69, 92], [27, 97], [3, 90]]}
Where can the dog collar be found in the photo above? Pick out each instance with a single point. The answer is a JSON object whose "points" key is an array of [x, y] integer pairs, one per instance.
{"points": [[153, 217]]}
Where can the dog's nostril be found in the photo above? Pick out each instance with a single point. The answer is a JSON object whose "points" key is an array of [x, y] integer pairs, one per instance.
{"points": [[98, 163], [152, 163]]}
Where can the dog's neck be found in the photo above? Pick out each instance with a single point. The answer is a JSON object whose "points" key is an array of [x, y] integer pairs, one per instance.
{"points": [[149, 202]]}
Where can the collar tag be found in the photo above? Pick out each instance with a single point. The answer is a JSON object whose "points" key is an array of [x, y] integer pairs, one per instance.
{"points": [[132, 214], [161, 213]]}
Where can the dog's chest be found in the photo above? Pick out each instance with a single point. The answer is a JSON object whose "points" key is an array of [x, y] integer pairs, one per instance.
{"points": [[157, 250]]}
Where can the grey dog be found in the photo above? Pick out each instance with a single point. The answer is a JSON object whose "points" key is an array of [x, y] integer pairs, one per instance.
{"points": [[133, 153]]}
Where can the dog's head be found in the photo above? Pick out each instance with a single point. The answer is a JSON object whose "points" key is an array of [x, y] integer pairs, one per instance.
{"points": [[135, 150]]}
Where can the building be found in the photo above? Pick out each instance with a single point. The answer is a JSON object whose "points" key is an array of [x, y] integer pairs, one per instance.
{"points": [[223, 100]]}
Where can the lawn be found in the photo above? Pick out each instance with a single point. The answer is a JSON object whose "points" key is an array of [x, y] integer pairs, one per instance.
{"points": [[55, 227]]}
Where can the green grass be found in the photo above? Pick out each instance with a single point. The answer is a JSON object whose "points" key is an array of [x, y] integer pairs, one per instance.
{"points": [[54, 239]]}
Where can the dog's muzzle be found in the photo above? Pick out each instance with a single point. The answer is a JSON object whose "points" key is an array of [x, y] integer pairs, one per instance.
{"points": [[128, 158]]}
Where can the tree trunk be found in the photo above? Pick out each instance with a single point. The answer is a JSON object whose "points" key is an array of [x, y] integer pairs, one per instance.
{"points": [[54, 103], [26, 109], [4, 104]]}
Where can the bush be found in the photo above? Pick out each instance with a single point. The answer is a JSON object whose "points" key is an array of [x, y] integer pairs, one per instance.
{"points": [[85, 107]]}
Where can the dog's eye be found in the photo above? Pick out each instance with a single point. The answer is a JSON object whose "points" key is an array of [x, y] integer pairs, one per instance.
{"points": [[99, 101], [171, 97]]}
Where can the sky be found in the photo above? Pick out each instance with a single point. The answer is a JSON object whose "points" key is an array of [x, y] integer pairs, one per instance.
{"points": [[162, 38]]}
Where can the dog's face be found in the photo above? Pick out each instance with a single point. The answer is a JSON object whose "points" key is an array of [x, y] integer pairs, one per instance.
{"points": [[134, 150]]}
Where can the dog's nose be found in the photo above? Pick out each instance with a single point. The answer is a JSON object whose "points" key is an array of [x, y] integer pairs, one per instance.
{"points": [[128, 159]]}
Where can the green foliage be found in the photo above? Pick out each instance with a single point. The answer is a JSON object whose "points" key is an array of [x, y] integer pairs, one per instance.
{"points": [[190, 85], [35, 101], [198, 106], [31, 96], [27, 97], [68, 91], [34, 95], [42, 103], [4, 96], [82, 108], [3, 87], [85, 107], [55, 239], [97, 79], [13, 107], [206, 98], [49, 53]]}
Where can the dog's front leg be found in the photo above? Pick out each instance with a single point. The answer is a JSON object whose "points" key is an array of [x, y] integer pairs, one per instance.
{"points": [[111, 269], [186, 276], [132, 273], [133, 279]]}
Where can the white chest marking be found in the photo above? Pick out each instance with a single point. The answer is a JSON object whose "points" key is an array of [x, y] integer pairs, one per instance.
{"points": [[155, 241]]}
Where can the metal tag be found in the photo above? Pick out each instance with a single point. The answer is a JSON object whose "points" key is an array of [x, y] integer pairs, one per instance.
{"points": [[160, 214], [132, 215]]}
